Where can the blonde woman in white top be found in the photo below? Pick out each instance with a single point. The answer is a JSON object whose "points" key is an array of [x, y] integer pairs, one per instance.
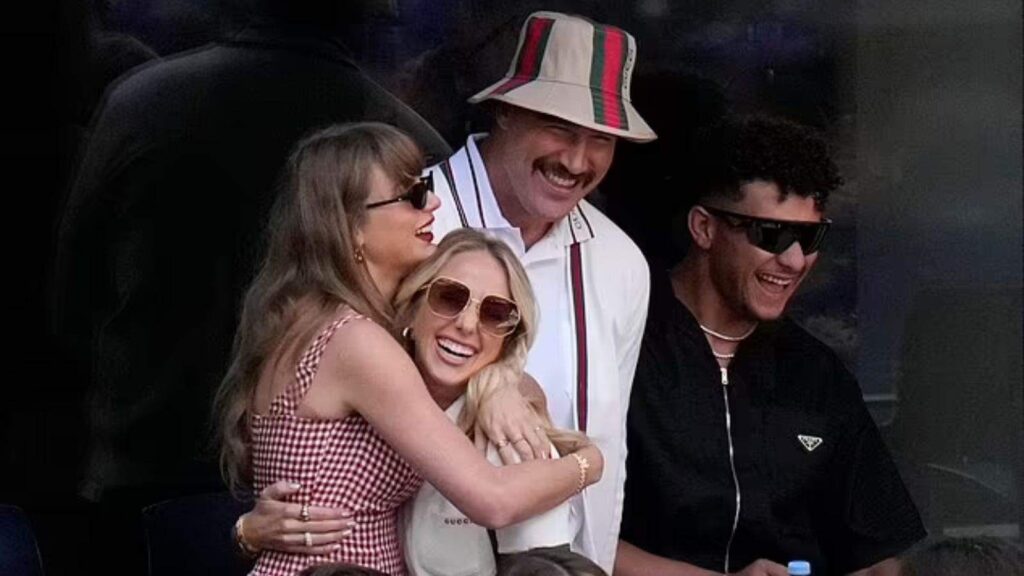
{"points": [[463, 359]]}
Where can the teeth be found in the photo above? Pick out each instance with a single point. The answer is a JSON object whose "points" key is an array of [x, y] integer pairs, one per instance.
{"points": [[565, 182], [455, 348], [425, 230], [778, 281]]}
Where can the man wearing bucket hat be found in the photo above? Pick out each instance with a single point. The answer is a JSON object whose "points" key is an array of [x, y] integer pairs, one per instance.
{"points": [[558, 113]]}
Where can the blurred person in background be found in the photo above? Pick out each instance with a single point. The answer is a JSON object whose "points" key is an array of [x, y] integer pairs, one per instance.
{"points": [[962, 556], [160, 233]]}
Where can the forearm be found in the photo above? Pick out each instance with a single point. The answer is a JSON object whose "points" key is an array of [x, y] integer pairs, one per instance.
{"points": [[396, 404], [632, 561], [522, 491]]}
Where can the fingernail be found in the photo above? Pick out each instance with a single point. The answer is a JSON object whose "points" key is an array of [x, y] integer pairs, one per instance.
{"points": [[336, 547], [295, 485]]}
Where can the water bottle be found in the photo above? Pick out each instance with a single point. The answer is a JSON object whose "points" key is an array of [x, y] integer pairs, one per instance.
{"points": [[799, 568]]}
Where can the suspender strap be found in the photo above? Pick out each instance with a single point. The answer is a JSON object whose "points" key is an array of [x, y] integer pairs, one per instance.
{"points": [[476, 188], [493, 537], [446, 170], [579, 312]]}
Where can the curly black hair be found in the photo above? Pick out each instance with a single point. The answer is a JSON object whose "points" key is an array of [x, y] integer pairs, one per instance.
{"points": [[738, 150]]}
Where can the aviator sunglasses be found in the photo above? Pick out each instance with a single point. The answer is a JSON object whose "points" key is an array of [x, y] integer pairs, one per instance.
{"points": [[448, 298], [416, 195], [776, 236]]}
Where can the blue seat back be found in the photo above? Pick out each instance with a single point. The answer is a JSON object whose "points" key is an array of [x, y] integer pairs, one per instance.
{"points": [[19, 553], [192, 535]]}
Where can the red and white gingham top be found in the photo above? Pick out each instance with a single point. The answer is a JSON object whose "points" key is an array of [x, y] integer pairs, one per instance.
{"points": [[338, 463]]}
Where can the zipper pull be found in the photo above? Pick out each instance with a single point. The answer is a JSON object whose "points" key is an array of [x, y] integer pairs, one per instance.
{"points": [[725, 375]]}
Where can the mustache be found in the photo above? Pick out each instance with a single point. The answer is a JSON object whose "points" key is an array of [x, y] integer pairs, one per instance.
{"points": [[558, 169]]}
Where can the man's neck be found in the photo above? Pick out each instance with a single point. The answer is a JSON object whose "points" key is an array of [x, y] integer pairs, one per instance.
{"points": [[692, 286], [531, 229]]}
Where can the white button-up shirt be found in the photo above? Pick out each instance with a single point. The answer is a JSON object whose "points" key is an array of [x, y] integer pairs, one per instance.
{"points": [[615, 287]]}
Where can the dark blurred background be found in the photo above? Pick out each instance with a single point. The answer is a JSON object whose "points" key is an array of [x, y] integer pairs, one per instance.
{"points": [[919, 290]]}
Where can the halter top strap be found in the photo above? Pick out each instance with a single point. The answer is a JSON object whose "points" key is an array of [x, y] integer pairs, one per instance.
{"points": [[287, 402]]}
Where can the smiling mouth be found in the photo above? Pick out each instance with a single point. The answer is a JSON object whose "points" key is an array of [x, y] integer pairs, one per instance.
{"points": [[559, 177], [426, 229], [775, 283], [559, 180], [455, 348]]}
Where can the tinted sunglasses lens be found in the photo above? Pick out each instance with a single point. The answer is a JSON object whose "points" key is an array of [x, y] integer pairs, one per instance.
{"points": [[498, 315], [447, 298], [812, 238], [777, 237], [419, 191], [773, 237]]}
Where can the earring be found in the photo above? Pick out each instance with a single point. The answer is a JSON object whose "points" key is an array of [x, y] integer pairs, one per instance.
{"points": [[358, 255], [407, 333]]}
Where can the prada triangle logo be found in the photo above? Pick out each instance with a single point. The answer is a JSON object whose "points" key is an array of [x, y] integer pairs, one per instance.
{"points": [[809, 442]]}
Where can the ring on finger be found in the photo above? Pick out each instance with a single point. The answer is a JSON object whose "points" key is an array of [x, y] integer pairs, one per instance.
{"points": [[502, 443], [304, 513], [307, 539]]}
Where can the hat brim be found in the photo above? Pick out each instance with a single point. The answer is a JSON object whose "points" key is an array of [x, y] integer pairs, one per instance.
{"points": [[568, 102]]}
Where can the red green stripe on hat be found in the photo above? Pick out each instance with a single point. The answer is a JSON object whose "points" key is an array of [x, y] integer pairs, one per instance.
{"points": [[527, 66], [606, 70]]}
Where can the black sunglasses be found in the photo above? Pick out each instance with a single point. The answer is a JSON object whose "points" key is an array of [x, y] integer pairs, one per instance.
{"points": [[416, 195], [448, 298], [776, 236]]}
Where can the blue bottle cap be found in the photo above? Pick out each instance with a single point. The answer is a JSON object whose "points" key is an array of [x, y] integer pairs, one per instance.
{"points": [[799, 568]]}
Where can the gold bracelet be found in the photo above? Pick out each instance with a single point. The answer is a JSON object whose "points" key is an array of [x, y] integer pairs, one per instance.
{"points": [[247, 549], [584, 466]]}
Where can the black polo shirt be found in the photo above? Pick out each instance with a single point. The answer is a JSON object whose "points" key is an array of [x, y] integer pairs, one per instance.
{"points": [[816, 482]]}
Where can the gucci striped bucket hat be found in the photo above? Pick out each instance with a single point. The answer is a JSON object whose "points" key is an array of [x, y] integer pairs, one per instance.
{"points": [[575, 69]]}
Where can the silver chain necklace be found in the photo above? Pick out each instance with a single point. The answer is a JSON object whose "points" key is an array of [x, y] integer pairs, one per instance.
{"points": [[726, 337]]}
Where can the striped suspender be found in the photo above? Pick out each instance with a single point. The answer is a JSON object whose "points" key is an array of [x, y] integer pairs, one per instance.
{"points": [[579, 310], [446, 169], [476, 188]]}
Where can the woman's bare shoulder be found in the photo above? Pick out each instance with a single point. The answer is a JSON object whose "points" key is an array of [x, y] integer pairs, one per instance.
{"points": [[363, 347]]}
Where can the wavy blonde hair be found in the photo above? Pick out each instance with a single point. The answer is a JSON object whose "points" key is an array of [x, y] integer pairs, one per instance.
{"points": [[310, 270], [508, 369]]}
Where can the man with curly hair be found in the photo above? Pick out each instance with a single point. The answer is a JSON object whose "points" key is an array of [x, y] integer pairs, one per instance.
{"points": [[749, 442]]}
